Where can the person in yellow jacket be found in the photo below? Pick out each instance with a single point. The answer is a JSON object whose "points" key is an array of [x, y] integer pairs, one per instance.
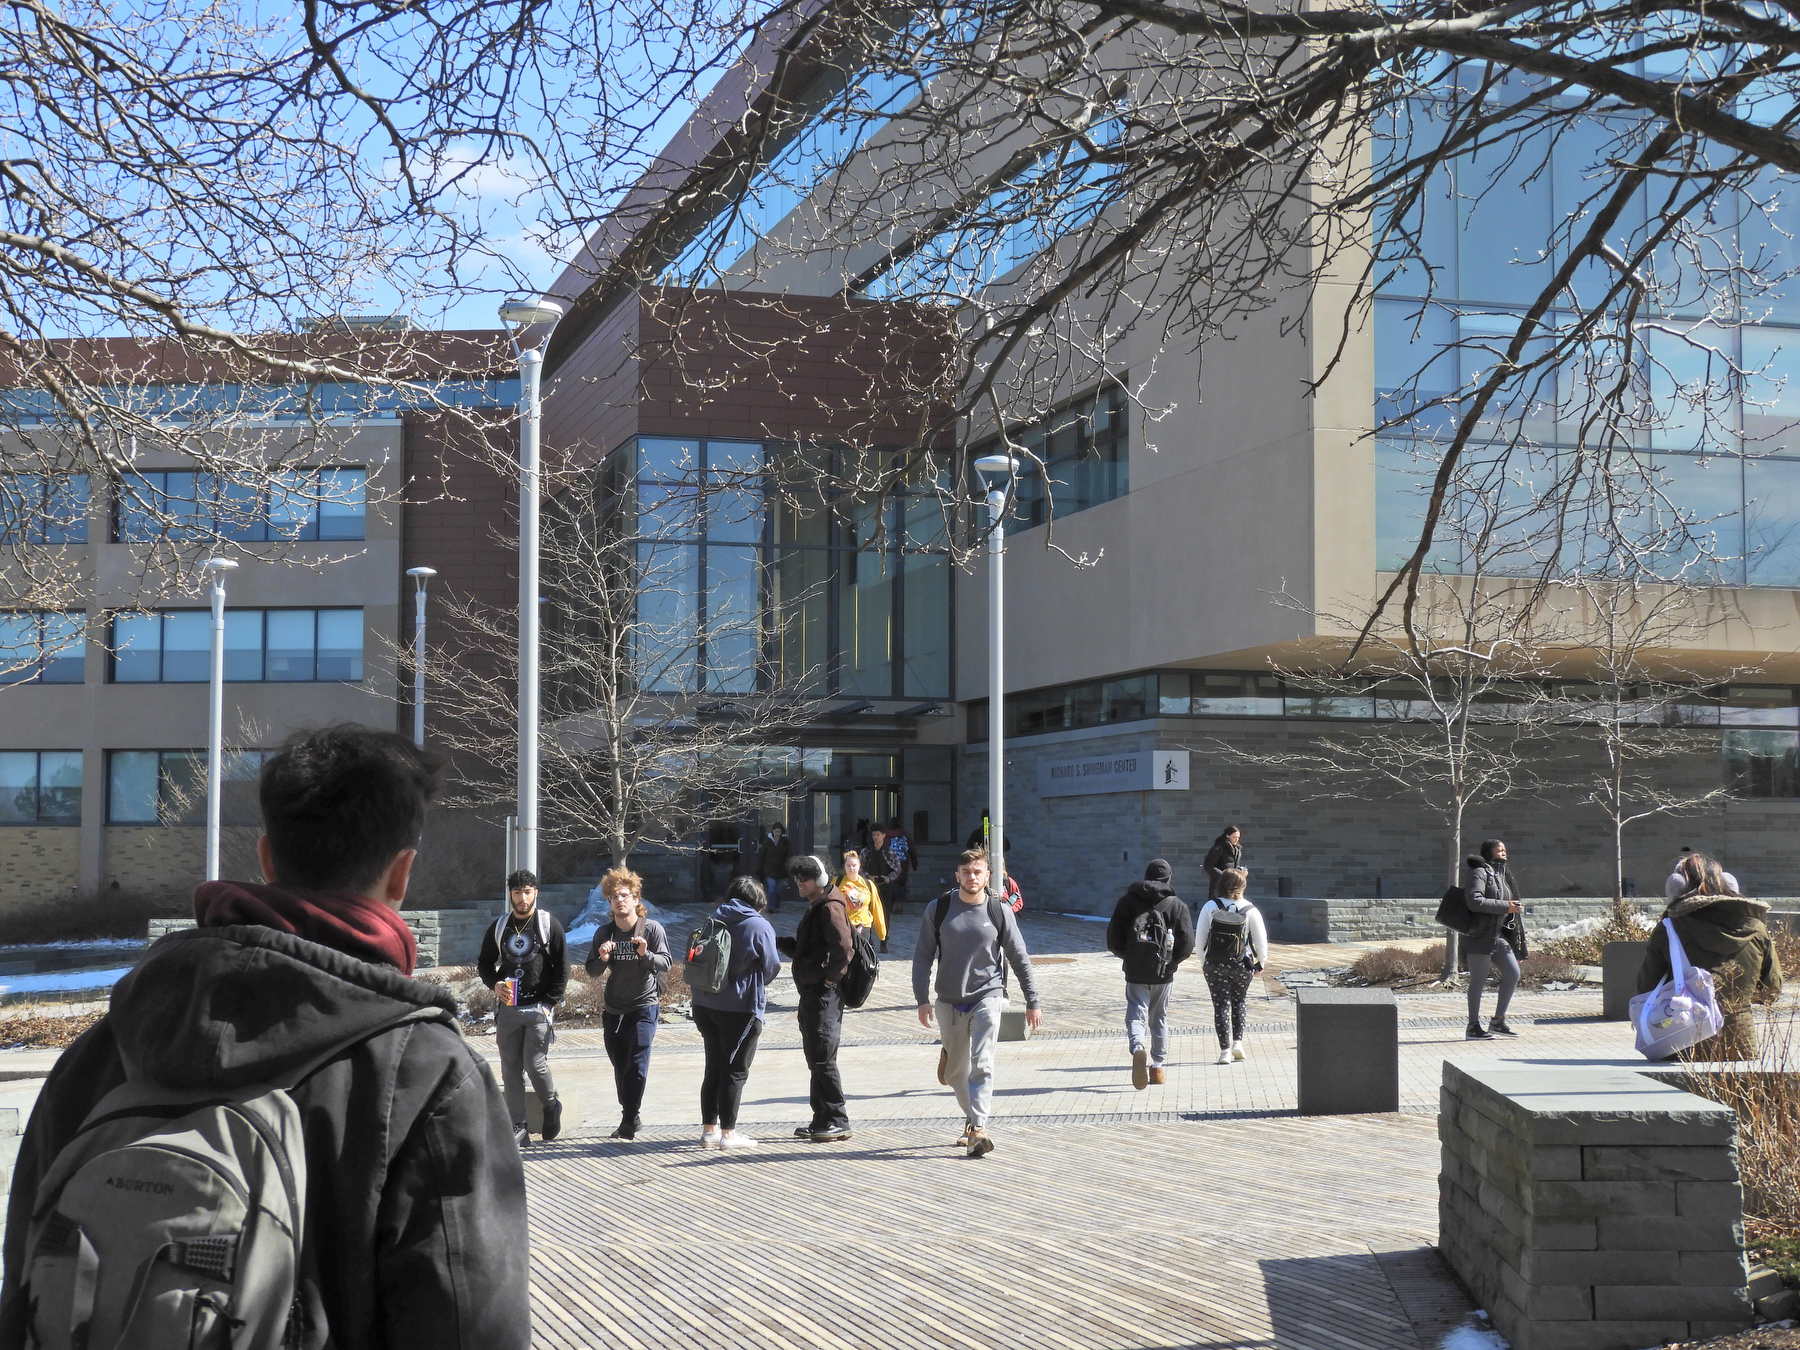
{"points": [[862, 901]]}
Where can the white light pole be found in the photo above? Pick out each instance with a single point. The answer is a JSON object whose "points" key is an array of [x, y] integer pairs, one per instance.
{"points": [[215, 570], [996, 504], [533, 317], [420, 575]]}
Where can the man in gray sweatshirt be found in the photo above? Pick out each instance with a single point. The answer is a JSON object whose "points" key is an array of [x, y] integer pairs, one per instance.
{"points": [[970, 935]]}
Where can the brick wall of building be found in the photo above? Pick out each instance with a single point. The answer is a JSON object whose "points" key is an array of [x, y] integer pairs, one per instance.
{"points": [[38, 862]]}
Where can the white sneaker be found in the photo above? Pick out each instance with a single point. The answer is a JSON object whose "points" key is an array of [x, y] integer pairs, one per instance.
{"points": [[709, 1139], [1224, 1057], [732, 1141], [1237, 1049]]}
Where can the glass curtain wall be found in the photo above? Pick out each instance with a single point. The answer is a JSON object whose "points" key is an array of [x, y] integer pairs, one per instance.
{"points": [[751, 575]]}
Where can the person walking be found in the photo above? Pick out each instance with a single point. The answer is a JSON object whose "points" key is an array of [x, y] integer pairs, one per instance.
{"points": [[878, 865], [524, 961], [411, 1217], [900, 854], [862, 897], [1722, 932], [632, 951], [772, 864], [730, 1022], [1152, 932], [972, 937], [819, 954], [1234, 945], [1226, 854], [1498, 939]]}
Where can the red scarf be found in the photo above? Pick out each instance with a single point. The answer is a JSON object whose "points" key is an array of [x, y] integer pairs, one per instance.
{"points": [[342, 920]]}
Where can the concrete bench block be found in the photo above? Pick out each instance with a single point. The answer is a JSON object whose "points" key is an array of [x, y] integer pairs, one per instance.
{"points": [[1616, 1163], [1012, 1024], [534, 1109], [1619, 966], [1349, 1051]]}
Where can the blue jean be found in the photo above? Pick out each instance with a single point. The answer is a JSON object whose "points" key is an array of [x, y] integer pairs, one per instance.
{"points": [[1147, 1010], [628, 1038], [772, 888]]}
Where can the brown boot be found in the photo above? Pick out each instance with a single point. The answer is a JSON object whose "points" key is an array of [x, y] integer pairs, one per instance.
{"points": [[1156, 1075]]}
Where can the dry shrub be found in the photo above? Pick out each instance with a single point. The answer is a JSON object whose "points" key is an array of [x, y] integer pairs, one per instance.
{"points": [[1585, 949], [1395, 965], [1540, 968], [1766, 1097], [1787, 950], [678, 991], [110, 914], [480, 1003], [41, 1031]]}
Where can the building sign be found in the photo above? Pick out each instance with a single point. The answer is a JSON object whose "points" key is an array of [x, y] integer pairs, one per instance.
{"points": [[1133, 771]]}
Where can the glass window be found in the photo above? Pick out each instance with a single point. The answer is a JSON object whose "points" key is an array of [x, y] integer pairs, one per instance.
{"points": [[1172, 693], [733, 619], [340, 644], [1086, 459], [1353, 706], [59, 787], [131, 787], [1502, 219], [1763, 763], [664, 458], [343, 503], [42, 646], [1772, 521], [801, 579], [866, 624], [294, 505], [181, 787], [291, 639], [293, 502], [925, 641], [243, 644], [1231, 695], [19, 647], [137, 648], [18, 787], [668, 636], [36, 509], [186, 646], [1771, 390]]}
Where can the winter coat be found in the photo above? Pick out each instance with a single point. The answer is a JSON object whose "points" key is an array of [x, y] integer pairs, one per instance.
{"points": [[754, 962], [415, 1196], [631, 982], [1724, 934], [1221, 856], [1489, 893], [1141, 962], [822, 942], [772, 857], [546, 968], [862, 905]]}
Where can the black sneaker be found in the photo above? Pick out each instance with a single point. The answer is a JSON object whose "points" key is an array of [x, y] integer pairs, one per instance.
{"points": [[1497, 1026], [627, 1129], [803, 1132], [552, 1118], [522, 1137], [836, 1134], [1475, 1032]]}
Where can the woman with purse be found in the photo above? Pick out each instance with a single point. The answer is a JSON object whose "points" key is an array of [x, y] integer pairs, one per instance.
{"points": [[1497, 940], [1722, 932]]}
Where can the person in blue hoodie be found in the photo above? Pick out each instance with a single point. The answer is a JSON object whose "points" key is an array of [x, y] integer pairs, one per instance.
{"points": [[731, 1021]]}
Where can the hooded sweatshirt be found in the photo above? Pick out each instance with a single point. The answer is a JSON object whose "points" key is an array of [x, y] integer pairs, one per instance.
{"points": [[1153, 893], [754, 962], [415, 1196]]}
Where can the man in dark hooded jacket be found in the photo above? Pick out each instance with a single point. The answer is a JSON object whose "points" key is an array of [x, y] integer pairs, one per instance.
{"points": [[414, 1202], [1153, 932]]}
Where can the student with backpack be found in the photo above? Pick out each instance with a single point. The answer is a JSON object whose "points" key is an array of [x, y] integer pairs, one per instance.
{"points": [[632, 951], [731, 959], [1234, 945], [524, 961], [820, 953], [1153, 933], [316, 1154], [973, 937], [862, 898]]}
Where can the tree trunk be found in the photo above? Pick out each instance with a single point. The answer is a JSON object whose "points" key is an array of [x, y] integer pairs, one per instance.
{"points": [[1451, 937]]}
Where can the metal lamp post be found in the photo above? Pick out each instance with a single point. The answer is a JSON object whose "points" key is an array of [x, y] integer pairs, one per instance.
{"points": [[215, 570], [996, 505], [533, 316], [420, 575]]}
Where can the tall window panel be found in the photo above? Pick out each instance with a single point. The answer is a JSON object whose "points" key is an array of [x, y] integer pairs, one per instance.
{"points": [[40, 787], [168, 787], [42, 647], [261, 645], [41, 509], [1086, 452], [295, 505]]}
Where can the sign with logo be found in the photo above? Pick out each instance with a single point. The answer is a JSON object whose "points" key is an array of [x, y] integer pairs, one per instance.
{"points": [[1131, 771]]}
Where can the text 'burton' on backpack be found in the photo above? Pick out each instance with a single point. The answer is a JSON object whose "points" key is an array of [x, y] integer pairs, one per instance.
{"points": [[175, 1218], [708, 957], [1228, 939], [1153, 931]]}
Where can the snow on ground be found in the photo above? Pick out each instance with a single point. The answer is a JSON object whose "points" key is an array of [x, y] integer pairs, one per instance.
{"points": [[1473, 1335], [1582, 927], [62, 979], [86, 944]]}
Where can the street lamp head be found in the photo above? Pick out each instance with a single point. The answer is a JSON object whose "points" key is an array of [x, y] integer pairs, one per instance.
{"points": [[527, 310], [422, 573], [997, 464], [219, 565]]}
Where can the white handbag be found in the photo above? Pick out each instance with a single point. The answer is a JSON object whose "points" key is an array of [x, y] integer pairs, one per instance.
{"points": [[1681, 1011]]}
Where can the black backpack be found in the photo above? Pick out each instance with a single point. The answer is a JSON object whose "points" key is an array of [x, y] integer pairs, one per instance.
{"points": [[858, 982], [1155, 932], [1454, 913], [1229, 941]]}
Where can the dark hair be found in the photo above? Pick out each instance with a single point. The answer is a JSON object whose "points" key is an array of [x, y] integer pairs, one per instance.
{"points": [[971, 855], [1488, 846], [750, 891], [777, 825], [807, 868], [519, 880], [1225, 834], [340, 803], [1702, 876]]}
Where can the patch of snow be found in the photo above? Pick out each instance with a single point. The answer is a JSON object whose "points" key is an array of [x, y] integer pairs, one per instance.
{"points": [[62, 979], [596, 912], [86, 944], [1582, 927], [1089, 918], [580, 937], [1474, 1335]]}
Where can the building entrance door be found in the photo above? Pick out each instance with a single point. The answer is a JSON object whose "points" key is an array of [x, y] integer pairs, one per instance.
{"points": [[835, 813]]}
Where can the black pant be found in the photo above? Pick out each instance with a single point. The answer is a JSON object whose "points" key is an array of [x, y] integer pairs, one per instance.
{"points": [[821, 1028], [730, 1039], [1229, 985], [629, 1037]]}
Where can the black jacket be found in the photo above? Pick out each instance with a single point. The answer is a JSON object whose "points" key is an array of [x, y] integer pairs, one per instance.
{"points": [[1219, 857], [1140, 961], [546, 967], [772, 857], [415, 1197], [632, 982], [822, 942], [1488, 892]]}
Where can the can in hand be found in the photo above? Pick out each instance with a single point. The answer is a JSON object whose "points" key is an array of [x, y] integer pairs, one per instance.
{"points": [[512, 992]]}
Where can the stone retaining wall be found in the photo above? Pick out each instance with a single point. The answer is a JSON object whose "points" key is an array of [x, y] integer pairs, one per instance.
{"points": [[446, 937], [1591, 1207], [1310, 919]]}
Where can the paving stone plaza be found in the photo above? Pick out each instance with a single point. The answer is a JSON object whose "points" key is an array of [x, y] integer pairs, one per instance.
{"points": [[1205, 1212]]}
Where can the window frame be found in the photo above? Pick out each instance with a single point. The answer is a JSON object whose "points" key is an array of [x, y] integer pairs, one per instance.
{"points": [[39, 818], [116, 651]]}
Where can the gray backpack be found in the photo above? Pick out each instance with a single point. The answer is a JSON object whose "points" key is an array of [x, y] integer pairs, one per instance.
{"points": [[175, 1218]]}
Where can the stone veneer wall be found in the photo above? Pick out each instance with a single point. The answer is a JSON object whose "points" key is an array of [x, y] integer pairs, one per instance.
{"points": [[1591, 1207]]}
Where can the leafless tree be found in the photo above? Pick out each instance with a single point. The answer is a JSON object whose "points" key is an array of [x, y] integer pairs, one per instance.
{"points": [[659, 715]]}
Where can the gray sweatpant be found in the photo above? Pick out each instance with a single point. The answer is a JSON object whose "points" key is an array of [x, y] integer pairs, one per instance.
{"points": [[524, 1035], [1148, 1004], [969, 1039]]}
